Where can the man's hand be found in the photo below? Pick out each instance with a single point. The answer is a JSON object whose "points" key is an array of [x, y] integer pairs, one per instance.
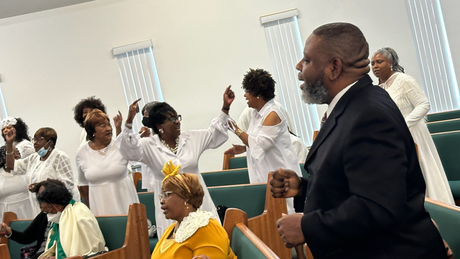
{"points": [[285, 183], [290, 230]]}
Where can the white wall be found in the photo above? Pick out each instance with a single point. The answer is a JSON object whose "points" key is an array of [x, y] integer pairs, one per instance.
{"points": [[50, 60]]}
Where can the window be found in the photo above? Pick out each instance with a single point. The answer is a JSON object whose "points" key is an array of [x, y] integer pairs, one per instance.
{"points": [[138, 75], [286, 49], [433, 54]]}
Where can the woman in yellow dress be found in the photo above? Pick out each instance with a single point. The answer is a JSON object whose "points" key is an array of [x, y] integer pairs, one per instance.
{"points": [[195, 234]]}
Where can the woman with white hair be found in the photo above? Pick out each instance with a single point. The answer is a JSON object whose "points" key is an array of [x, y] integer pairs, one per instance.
{"points": [[414, 105]]}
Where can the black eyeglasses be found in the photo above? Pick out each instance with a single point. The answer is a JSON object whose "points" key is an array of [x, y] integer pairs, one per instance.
{"points": [[174, 118]]}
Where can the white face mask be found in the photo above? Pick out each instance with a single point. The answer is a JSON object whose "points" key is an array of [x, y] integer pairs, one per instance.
{"points": [[54, 217]]}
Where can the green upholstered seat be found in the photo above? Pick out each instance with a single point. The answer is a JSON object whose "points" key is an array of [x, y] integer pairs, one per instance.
{"points": [[226, 177], [243, 247], [114, 229], [448, 144], [238, 162], [13, 246], [139, 186], [148, 199], [443, 115], [448, 221], [443, 126], [248, 197]]}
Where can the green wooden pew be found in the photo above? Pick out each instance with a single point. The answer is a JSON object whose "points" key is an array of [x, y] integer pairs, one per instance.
{"points": [[447, 217], [147, 198], [238, 162], [112, 227], [448, 146], [439, 116], [443, 126]]}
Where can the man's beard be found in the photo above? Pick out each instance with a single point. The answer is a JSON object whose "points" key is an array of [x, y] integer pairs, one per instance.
{"points": [[315, 92]]}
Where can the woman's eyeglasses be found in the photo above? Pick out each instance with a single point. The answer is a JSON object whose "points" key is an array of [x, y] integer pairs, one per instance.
{"points": [[174, 118], [164, 195]]}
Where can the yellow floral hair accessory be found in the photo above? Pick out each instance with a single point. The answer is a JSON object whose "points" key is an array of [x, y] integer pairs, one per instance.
{"points": [[170, 170]]}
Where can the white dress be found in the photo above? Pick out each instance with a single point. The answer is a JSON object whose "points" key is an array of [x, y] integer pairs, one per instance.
{"points": [[14, 192], [414, 105], [269, 148], [111, 188], [154, 154], [56, 166]]}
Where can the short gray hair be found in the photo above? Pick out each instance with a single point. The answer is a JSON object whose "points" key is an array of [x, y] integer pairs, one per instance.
{"points": [[392, 56]]}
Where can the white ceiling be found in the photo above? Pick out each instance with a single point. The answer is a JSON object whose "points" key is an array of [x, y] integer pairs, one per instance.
{"points": [[10, 8]]}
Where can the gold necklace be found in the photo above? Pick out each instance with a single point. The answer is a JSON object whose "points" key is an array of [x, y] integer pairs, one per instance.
{"points": [[103, 151], [174, 150]]}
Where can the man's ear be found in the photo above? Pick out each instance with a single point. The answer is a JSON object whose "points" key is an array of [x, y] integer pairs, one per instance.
{"points": [[335, 68]]}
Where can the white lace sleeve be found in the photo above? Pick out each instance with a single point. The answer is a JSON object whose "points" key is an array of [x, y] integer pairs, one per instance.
{"points": [[64, 170], [419, 101]]}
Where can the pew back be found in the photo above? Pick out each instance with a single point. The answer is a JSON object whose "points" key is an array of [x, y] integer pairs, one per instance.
{"points": [[447, 217], [443, 115], [447, 144], [248, 197], [226, 177], [443, 126]]}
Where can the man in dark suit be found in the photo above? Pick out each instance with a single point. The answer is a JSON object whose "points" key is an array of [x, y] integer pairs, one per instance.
{"points": [[365, 194]]}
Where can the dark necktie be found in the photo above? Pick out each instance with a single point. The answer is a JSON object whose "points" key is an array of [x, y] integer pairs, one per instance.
{"points": [[323, 120]]}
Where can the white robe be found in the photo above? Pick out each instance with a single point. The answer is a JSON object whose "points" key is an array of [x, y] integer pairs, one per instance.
{"points": [[14, 191], [56, 166], [269, 148], [111, 188], [414, 105], [192, 143]]}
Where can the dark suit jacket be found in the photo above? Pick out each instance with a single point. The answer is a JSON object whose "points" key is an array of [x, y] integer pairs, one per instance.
{"points": [[365, 193]]}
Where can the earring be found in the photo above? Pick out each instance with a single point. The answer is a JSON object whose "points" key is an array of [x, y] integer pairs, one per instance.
{"points": [[257, 97], [185, 203], [161, 131], [94, 135]]}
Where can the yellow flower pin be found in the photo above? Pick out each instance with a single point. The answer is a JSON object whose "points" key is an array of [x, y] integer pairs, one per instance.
{"points": [[170, 170]]}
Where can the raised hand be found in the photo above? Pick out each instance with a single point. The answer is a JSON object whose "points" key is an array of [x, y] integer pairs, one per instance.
{"points": [[229, 96], [132, 111], [117, 120]]}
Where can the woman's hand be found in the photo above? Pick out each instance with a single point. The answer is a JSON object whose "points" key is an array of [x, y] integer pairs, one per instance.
{"points": [[132, 111], [235, 150], [117, 120], [10, 136], [5, 230], [229, 96], [145, 132]]}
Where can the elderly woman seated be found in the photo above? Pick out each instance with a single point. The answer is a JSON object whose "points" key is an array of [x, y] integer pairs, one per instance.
{"points": [[195, 234], [74, 229]]}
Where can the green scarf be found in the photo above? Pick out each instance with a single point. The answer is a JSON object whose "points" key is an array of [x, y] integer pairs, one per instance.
{"points": [[54, 237]]}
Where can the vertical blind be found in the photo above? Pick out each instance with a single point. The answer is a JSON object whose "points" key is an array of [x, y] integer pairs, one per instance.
{"points": [[433, 54], [138, 75], [285, 47]]}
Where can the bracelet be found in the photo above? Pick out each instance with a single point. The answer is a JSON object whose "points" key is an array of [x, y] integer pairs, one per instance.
{"points": [[226, 108], [129, 125], [239, 131], [10, 153]]}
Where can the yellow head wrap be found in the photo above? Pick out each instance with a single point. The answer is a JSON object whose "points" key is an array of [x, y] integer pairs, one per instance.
{"points": [[170, 170]]}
